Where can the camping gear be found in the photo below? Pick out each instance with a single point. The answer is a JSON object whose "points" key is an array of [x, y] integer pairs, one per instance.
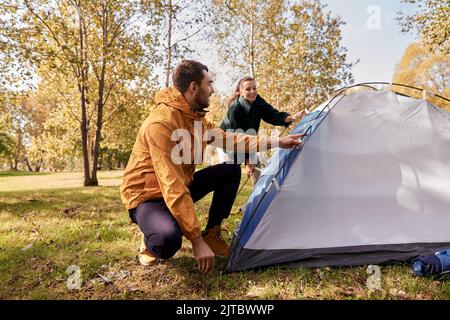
{"points": [[435, 264], [371, 185]]}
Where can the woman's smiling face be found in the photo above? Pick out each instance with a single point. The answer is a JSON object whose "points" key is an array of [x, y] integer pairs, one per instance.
{"points": [[248, 90]]}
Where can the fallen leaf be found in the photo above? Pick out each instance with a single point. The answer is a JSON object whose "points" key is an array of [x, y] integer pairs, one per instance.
{"points": [[133, 289], [104, 279], [319, 273], [398, 293], [435, 285], [27, 247], [428, 296], [120, 275], [255, 292]]}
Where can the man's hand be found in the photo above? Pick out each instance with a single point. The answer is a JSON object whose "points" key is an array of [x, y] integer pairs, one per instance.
{"points": [[250, 169], [290, 141], [203, 254]]}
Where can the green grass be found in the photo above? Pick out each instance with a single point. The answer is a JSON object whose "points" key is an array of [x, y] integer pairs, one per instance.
{"points": [[44, 231], [13, 173], [21, 181]]}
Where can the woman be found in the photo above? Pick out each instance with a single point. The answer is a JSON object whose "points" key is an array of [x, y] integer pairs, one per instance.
{"points": [[246, 110]]}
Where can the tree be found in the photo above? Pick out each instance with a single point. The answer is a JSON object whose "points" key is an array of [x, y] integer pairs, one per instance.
{"points": [[420, 68], [184, 22], [102, 46], [33, 112], [236, 27], [15, 122], [430, 22], [59, 144], [6, 140], [25, 119], [314, 62], [292, 49], [217, 109], [120, 133]]}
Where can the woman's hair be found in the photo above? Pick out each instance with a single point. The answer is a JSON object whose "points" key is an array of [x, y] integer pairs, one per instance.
{"points": [[237, 90]]}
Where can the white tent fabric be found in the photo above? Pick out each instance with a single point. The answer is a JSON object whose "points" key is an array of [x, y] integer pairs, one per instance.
{"points": [[375, 172]]}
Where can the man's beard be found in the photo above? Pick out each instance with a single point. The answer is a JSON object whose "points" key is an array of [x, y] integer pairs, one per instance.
{"points": [[201, 104]]}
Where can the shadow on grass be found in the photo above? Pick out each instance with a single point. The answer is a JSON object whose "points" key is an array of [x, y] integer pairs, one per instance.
{"points": [[69, 203], [22, 173], [215, 285], [45, 263]]}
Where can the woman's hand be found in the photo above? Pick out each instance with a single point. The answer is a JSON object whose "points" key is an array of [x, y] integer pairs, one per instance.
{"points": [[296, 116]]}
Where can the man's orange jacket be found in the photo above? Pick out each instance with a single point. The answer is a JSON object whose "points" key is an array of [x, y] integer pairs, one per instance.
{"points": [[152, 173]]}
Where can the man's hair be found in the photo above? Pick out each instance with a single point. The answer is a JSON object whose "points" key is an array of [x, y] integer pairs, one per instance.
{"points": [[186, 72]]}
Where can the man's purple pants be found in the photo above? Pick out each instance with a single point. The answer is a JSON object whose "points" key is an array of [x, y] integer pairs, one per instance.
{"points": [[162, 233]]}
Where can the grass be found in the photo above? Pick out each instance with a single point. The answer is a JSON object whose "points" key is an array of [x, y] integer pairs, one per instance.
{"points": [[13, 173], [21, 181], [43, 231]]}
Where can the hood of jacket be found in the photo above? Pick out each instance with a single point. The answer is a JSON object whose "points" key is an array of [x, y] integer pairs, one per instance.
{"points": [[175, 99]]}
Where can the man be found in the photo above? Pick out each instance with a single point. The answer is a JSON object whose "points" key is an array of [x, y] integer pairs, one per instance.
{"points": [[159, 190]]}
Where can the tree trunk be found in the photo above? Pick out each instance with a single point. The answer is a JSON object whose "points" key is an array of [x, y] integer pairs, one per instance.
{"points": [[98, 133], [100, 102], [84, 141], [17, 155], [252, 40], [169, 45], [37, 168], [28, 165], [84, 122], [100, 160]]}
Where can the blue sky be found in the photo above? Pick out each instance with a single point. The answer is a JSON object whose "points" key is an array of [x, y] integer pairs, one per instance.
{"points": [[378, 50]]}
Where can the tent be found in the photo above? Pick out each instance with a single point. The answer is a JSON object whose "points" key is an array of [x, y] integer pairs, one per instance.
{"points": [[370, 185]]}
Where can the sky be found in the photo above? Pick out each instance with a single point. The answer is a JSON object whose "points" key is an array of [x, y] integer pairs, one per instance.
{"points": [[378, 46], [371, 34]]}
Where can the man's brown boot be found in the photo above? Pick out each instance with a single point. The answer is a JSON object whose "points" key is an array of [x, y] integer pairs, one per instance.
{"points": [[145, 257], [214, 240]]}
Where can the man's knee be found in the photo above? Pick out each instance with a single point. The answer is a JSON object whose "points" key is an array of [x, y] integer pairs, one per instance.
{"points": [[165, 244]]}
